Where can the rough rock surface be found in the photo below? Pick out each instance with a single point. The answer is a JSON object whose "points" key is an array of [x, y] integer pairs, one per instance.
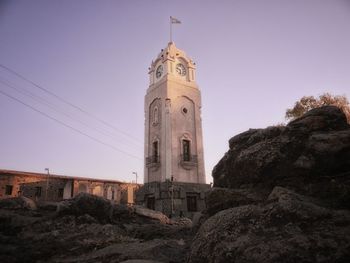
{"points": [[84, 203], [311, 155], [160, 249], [291, 228], [281, 194], [140, 261], [77, 232], [143, 211], [222, 198], [105, 212], [18, 203], [284, 196]]}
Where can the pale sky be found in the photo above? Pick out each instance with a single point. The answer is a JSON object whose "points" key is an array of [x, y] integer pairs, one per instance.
{"points": [[254, 60]]}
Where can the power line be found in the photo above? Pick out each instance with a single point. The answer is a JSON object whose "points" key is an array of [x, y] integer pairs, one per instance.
{"points": [[48, 104], [69, 126], [70, 104]]}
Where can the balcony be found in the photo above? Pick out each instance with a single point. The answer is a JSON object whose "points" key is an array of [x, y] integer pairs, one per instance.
{"points": [[153, 161], [188, 161]]}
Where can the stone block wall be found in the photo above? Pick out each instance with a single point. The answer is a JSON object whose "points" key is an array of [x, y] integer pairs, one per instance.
{"points": [[43, 189], [173, 198]]}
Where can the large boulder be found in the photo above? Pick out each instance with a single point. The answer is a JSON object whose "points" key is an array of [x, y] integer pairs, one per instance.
{"points": [[20, 202], [289, 228], [311, 155], [282, 188], [104, 211], [218, 199], [151, 214], [12, 222], [156, 250], [95, 206]]}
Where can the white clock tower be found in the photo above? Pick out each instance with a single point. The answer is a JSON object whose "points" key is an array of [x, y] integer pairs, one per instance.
{"points": [[174, 173], [173, 128]]}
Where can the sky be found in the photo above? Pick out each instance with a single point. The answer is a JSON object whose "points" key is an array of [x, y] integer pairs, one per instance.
{"points": [[254, 60]]}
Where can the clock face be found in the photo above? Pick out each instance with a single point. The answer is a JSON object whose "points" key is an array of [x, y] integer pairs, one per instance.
{"points": [[180, 69], [159, 71]]}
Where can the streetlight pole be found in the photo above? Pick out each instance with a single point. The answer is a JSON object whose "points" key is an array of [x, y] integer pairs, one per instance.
{"points": [[135, 173], [172, 196], [47, 182]]}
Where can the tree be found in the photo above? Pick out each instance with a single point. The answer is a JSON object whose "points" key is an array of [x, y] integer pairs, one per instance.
{"points": [[307, 103]]}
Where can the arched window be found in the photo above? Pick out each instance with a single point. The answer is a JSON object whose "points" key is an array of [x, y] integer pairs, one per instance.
{"points": [[186, 150], [155, 151], [155, 115]]}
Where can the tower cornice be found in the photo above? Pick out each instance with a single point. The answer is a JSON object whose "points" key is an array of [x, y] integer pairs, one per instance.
{"points": [[171, 52], [171, 61]]}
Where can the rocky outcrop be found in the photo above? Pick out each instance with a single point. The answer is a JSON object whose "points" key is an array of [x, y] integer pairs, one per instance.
{"points": [[88, 228], [105, 212], [311, 155], [284, 196], [288, 228], [281, 195]]}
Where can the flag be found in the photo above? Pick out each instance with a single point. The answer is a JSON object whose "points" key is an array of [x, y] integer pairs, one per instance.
{"points": [[174, 20]]}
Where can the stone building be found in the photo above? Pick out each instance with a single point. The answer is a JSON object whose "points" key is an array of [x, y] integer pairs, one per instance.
{"points": [[44, 187], [174, 173]]}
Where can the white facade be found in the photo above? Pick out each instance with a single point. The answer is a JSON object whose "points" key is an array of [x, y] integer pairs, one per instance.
{"points": [[173, 128]]}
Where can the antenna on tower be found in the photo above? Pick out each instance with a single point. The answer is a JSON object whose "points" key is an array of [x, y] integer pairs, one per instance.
{"points": [[173, 20]]}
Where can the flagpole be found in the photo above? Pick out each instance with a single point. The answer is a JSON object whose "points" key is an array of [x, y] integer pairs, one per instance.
{"points": [[173, 20], [171, 33]]}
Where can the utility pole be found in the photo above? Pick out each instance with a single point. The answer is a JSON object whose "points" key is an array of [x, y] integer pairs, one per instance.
{"points": [[47, 182], [135, 173], [172, 196]]}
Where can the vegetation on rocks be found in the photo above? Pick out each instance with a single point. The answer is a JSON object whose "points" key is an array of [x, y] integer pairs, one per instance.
{"points": [[307, 103]]}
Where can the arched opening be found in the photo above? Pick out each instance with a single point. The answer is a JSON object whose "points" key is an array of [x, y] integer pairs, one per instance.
{"points": [[82, 188], [97, 190], [112, 193]]}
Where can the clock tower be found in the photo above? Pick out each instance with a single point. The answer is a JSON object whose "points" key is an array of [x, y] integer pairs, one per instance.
{"points": [[173, 128], [174, 164]]}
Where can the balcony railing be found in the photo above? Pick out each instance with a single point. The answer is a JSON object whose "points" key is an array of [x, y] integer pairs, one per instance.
{"points": [[188, 159], [152, 160]]}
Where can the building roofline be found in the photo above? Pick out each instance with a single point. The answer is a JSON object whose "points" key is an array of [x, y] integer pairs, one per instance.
{"points": [[23, 173]]}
